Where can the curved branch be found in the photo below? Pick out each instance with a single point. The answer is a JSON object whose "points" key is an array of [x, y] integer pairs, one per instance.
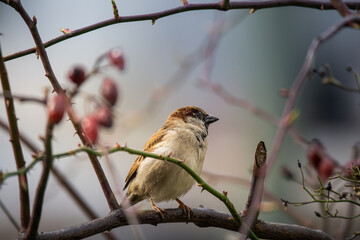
{"points": [[189, 7], [202, 217]]}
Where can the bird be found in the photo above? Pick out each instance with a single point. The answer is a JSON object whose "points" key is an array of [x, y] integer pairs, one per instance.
{"points": [[183, 136]]}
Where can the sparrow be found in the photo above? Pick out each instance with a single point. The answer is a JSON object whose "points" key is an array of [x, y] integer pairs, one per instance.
{"points": [[183, 137]]}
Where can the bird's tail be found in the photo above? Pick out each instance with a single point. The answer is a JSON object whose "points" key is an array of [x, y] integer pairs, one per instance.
{"points": [[129, 200]]}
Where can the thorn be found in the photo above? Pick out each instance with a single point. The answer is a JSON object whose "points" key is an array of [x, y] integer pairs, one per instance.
{"points": [[182, 161], [34, 20], [252, 11], [75, 134], [42, 138], [225, 193], [117, 145], [71, 152], [243, 213], [79, 145]]}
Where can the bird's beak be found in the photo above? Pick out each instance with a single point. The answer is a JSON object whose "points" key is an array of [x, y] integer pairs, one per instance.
{"points": [[210, 119]]}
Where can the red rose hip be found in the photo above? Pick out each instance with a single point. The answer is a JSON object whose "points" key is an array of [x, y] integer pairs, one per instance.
{"points": [[77, 75], [116, 57], [109, 91], [104, 116], [90, 128], [56, 108]]}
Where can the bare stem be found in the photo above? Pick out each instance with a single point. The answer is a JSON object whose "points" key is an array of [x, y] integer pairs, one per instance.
{"points": [[14, 139], [40, 192]]}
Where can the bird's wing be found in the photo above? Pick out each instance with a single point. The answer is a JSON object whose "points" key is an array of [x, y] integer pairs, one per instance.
{"points": [[149, 146]]}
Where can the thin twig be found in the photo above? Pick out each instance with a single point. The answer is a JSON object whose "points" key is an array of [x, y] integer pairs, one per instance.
{"points": [[15, 142], [9, 216], [32, 230], [21, 98]]}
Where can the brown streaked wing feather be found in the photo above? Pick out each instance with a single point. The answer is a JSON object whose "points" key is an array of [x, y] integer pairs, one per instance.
{"points": [[156, 138]]}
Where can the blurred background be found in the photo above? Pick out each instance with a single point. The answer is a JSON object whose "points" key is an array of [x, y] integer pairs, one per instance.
{"points": [[255, 56]]}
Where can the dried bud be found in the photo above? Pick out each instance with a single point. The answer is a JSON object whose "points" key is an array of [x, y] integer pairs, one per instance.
{"points": [[299, 163], [56, 108], [116, 57], [328, 186], [104, 116], [90, 127], [109, 91], [77, 75]]}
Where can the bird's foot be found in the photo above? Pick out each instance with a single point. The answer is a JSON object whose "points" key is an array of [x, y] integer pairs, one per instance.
{"points": [[186, 209], [157, 209]]}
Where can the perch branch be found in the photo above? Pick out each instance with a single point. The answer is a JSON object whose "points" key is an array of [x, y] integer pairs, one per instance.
{"points": [[202, 217]]}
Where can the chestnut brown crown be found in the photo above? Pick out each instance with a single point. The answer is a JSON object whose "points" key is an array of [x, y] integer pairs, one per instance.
{"points": [[192, 111]]}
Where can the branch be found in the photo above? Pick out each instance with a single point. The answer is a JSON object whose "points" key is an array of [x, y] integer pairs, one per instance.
{"points": [[255, 193], [40, 192], [14, 139], [21, 98], [202, 217], [9, 216], [31, 23], [320, 5]]}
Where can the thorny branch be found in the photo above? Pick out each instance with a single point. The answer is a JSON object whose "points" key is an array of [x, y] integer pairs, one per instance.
{"points": [[14, 139], [189, 7], [202, 217], [32, 230]]}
